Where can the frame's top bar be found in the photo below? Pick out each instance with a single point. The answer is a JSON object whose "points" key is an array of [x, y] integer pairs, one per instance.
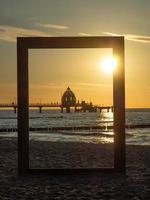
{"points": [[70, 42]]}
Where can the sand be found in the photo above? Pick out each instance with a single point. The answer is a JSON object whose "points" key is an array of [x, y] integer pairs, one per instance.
{"points": [[133, 185]]}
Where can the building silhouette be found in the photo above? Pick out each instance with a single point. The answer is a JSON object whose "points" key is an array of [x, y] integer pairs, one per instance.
{"points": [[68, 100]]}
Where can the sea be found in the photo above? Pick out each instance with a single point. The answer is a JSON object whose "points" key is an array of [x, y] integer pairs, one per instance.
{"points": [[52, 125]]}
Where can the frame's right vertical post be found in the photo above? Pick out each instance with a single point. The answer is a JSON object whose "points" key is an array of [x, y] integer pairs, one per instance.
{"points": [[119, 106]]}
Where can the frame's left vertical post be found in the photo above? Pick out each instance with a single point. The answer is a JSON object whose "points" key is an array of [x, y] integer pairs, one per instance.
{"points": [[23, 110]]}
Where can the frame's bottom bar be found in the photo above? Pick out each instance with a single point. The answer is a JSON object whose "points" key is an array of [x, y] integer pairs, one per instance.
{"points": [[75, 171]]}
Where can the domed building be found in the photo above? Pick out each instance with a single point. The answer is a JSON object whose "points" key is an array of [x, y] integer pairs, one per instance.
{"points": [[68, 100]]}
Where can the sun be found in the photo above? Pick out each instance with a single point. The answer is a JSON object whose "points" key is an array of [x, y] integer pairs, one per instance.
{"points": [[108, 64]]}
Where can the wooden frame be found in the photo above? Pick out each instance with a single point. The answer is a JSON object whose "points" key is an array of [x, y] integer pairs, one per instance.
{"points": [[25, 43]]}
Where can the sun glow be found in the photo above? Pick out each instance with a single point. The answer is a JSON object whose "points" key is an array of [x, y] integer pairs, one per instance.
{"points": [[108, 64]]}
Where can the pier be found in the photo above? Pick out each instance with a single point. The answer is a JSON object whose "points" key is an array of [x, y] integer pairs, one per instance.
{"points": [[78, 108], [40, 106]]}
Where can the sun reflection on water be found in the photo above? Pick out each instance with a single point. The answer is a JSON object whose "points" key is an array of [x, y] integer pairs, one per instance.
{"points": [[106, 116], [106, 136]]}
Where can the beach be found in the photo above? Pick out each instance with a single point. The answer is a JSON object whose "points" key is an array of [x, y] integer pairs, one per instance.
{"points": [[133, 185]]}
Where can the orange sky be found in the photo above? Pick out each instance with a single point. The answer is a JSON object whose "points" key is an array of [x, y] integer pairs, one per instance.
{"points": [[52, 71]]}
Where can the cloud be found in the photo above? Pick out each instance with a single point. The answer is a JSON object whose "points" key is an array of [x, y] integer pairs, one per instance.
{"points": [[52, 26], [132, 37], [10, 33], [83, 34]]}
